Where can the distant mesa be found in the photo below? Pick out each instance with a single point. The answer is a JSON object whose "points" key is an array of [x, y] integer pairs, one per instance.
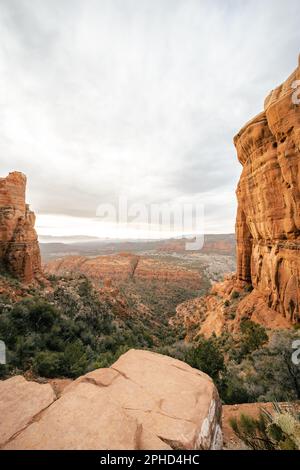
{"points": [[19, 248]]}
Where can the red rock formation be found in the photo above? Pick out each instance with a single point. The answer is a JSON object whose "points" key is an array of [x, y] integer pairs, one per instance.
{"points": [[228, 303], [19, 248], [144, 401], [125, 266], [268, 220], [267, 227]]}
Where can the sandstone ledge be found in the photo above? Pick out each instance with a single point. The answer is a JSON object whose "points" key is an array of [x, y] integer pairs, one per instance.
{"points": [[143, 401], [20, 403]]}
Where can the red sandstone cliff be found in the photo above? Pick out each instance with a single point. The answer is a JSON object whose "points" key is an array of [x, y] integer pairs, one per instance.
{"points": [[268, 193], [19, 248], [267, 226]]}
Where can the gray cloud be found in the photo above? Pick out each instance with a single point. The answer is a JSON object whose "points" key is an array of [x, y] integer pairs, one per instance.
{"points": [[136, 97]]}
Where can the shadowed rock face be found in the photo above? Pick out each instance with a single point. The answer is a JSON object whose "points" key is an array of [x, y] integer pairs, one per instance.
{"points": [[268, 193], [19, 248]]}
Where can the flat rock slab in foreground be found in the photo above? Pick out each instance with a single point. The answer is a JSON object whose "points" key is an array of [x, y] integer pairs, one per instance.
{"points": [[143, 401], [20, 403]]}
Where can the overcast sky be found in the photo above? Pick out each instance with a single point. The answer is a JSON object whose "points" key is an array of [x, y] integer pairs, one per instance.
{"points": [[139, 98]]}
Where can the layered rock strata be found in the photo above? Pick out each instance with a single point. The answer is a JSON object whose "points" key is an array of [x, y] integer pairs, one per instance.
{"points": [[124, 267], [268, 193]]}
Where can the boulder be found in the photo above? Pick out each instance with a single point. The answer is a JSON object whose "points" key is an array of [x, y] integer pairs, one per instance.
{"points": [[143, 401]]}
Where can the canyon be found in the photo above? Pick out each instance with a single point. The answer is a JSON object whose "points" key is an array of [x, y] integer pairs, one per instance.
{"points": [[19, 247], [266, 286], [104, 320], [57, 247]]}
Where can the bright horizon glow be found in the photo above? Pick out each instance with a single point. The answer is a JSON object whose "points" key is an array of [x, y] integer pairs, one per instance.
{"points": [[60, 226], [67, 226]]}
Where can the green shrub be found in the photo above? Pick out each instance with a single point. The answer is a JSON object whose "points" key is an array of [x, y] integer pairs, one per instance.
{"points": [[74, 359], [279, 430], [248, 288], [252, 337], [266, 374], [32, 315], [48, 364], [232, 388], [235, 294], [207, 357]]}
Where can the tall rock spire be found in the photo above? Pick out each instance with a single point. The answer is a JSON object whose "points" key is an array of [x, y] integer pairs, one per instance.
{"points": [[19, 247]]}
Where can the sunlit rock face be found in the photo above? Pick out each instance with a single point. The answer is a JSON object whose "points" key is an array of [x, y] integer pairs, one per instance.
{"points": [[268, 218], [144, 401], [19, 248]]}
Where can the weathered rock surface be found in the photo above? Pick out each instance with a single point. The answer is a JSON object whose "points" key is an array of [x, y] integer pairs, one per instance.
{"points": [[143, 401], [20, 404], [268, 219], [209, 314], [228, 303], [19, 248]]}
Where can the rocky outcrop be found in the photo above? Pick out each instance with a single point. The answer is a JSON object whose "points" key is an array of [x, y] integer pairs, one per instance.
{"points": [[223, 310], [124, 267], [268, 193], [143, 401], [212, 313], [19, 248]]}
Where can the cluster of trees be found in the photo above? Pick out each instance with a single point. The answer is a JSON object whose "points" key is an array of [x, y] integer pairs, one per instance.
{"points": [[67, 335], [252, 368]]}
